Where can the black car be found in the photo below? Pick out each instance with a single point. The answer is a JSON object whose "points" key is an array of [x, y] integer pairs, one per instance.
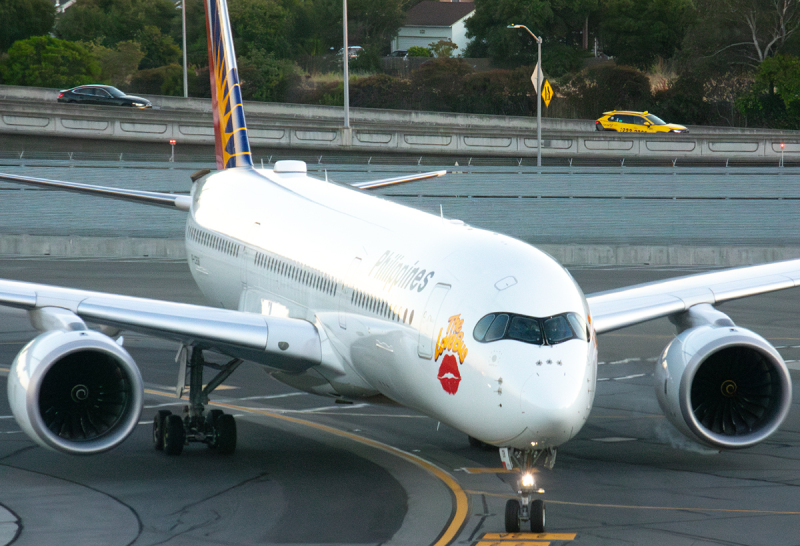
{"points": [[104, 95]]}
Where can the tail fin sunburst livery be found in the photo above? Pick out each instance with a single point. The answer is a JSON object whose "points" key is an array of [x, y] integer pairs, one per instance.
{"points": [[230, 132]]}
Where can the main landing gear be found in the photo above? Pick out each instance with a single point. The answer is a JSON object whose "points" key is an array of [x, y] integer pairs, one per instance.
{"points": [[214, 428], [525, 509]]}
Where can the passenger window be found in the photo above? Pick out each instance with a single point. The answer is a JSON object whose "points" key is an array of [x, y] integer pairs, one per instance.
{"points": [[557, 329], [498, 328], [525, 329]]}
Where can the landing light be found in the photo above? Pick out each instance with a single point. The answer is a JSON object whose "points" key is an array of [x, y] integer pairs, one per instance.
{"points": [[527, 480]]}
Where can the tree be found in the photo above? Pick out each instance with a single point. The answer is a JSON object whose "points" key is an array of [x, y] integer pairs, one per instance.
{"points": [[21, 19], [774, 98], [265, 78], [373, 24], [117, 65], [159, 50], [742, 32], [109, 22], [260, 25], [491, 37], [560, 24], [43, 61], [638, 31]]}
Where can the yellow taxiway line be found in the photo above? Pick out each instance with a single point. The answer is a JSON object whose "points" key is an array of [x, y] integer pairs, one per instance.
{"points": [[462, 502], [633, 507]]}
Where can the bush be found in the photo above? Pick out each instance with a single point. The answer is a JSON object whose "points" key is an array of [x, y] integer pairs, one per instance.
{"points": [[379, 91], [417, 51], [683, 102], [164, 80], [437, 85], [498, 92], [596, 90], [369, 60]]}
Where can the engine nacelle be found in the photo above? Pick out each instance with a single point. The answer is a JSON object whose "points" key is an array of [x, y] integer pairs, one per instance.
{"points": [[722, 385], [75, 391]]}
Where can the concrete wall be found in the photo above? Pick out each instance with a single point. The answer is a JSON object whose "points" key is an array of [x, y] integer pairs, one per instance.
{"points": [[569, 255], [33, 111]]}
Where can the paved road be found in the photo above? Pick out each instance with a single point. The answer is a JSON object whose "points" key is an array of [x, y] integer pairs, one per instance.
{"points": [[627, 478], [587, 205]]}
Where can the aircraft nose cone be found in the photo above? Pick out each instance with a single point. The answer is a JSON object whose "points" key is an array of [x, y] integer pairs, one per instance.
{"points": [[549, 403]]}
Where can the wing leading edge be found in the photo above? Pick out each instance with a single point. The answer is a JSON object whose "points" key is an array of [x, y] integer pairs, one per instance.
{"points": [[168, 200], [615, 309], [286, 344]]}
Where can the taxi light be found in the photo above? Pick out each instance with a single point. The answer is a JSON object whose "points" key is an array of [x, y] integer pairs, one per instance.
{"points": [[527, 480]]}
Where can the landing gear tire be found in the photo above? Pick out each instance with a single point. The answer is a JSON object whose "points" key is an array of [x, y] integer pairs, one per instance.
{"points": [[512, 516], [158, 428], [537, 516], [225, 434], [174, 435], [212, 416]]}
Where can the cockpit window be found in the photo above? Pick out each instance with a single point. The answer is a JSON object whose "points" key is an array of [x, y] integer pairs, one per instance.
{"points": [[557, 329], [498, 328], [525, 329], [578, 326], [537, 331], [483, 326]]}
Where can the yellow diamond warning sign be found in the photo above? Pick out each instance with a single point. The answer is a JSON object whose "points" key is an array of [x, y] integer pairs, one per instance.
{"points": [[547, 93]]}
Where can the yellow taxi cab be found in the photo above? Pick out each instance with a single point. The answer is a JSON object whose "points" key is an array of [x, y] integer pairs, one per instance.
{"points": [[625, 121]]}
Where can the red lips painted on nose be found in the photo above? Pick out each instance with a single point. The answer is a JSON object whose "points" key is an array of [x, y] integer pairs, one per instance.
{"points": [[449, 375]]}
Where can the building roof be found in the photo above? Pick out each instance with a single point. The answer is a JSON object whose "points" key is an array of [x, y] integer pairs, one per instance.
{"points": [[438, 14]]}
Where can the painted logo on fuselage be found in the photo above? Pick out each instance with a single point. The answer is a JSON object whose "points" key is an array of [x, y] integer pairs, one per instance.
{"points": [[392, 270], [453, 343]]}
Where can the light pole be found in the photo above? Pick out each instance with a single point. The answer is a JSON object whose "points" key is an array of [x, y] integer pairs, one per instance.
{"points": [[185, 76], [346, 62], [538, 93]]}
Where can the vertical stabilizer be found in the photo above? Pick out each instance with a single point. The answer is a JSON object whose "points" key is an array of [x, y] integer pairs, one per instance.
{"points": [[230, 131]]}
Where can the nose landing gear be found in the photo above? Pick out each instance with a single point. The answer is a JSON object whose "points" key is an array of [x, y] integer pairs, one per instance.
{"points": [[214, 428], [525, 509]]}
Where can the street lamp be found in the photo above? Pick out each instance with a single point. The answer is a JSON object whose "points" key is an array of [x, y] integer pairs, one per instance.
{"points": [[538, 94]]}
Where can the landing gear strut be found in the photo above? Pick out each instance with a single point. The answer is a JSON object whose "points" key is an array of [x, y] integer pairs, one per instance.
{"points": [[525, 509], [214, 428]]}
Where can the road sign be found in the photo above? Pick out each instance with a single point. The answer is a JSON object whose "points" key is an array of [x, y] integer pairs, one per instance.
{"points": [[547, 93], [536, 81]]}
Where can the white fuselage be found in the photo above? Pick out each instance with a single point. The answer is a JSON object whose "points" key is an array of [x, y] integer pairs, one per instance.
{"points": [[396, 294]]}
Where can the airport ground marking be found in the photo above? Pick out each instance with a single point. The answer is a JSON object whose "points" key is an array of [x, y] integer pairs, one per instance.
{"points": [[633, 507], [461, 513]]}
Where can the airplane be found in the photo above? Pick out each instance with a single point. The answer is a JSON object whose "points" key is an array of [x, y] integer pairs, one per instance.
{"points": [[343, 294]]}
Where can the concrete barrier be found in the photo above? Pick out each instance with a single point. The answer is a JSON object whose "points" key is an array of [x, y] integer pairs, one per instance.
{"points": [[33, 111], [568, 254], [92, 247]]}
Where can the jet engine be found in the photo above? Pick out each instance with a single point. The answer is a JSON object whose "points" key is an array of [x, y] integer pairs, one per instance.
{"points": [[720, 384], [77, 392]]}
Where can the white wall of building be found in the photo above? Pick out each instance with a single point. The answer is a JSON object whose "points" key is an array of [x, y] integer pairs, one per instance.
{"points": [[423, 36]]}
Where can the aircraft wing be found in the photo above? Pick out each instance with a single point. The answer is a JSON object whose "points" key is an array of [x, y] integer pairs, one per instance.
{"points": [[282, 343], [168, 200], [615, 309], [397, 180]]}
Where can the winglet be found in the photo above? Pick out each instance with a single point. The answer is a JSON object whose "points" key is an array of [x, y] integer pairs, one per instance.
{"points": [[230, 132]]}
